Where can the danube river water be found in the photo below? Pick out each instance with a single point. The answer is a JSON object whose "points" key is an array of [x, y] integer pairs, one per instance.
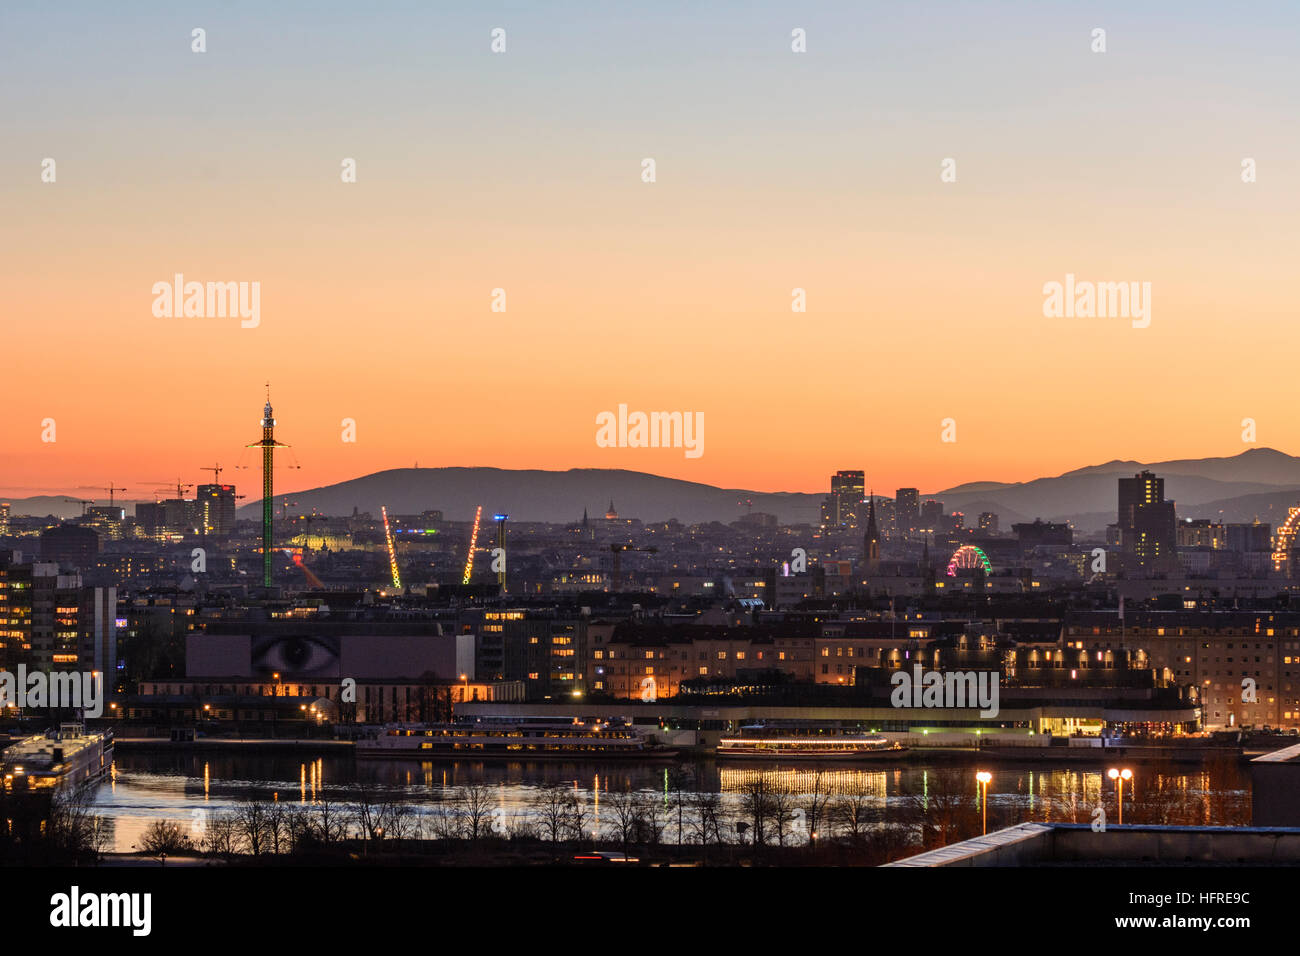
{"points": [[144, 787]]}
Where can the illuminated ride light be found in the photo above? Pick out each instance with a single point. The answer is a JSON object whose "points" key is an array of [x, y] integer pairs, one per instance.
{"points": [[473, 543], [392, 554], [969, 557]]}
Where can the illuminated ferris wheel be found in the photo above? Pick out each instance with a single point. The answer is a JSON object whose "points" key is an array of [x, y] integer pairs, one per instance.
{"points": [[968, 557], [1284, 540]]}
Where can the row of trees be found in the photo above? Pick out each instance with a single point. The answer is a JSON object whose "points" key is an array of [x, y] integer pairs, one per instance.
{"points": [[764, 822]]}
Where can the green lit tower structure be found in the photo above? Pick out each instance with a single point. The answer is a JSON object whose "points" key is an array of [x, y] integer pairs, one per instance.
{"points": [[268, 444]]}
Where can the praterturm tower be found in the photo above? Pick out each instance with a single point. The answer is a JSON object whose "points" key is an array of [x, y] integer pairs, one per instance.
{"points": [[268, 444]]}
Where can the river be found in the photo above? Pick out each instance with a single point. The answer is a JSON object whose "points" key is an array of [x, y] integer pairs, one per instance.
{"points": [[144, 787]]}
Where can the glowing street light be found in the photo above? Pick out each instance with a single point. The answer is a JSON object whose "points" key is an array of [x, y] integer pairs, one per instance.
{"points": [[1119, 776], [984, 777]]}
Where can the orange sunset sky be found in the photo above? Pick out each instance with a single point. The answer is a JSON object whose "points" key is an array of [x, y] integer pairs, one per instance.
{"points": [[522, 170]]}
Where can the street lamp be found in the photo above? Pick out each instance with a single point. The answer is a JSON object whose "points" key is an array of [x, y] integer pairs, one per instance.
{"points": [[984, 777], [1119, 776]]}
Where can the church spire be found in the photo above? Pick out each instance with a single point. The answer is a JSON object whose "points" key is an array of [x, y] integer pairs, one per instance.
{"points": [[871, 543]]}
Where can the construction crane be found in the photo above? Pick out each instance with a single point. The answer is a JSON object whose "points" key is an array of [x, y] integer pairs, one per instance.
{"points": [[180, 488], [110, 489], [392, 552], [473, 543], [216, 472], [80, 501], [618, 550]]}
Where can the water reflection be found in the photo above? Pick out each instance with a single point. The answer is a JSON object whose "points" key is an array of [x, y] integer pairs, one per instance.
{"points": [[145, 787]]}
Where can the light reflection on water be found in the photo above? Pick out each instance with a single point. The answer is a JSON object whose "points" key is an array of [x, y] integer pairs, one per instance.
{"points": [[147, 787]]}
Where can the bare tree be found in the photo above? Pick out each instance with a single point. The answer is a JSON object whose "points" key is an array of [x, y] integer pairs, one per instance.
{"points": [[445, 823], [220, 837], [277, 826], [368, 810], [624, 821], [250, 827], [756, 806], [946, 811], [333, 822], [707, 817], [679, 779], [165, 836], [552, 805], [852, 815], [579, 819], [782, 806], [399, 820], [816, 803], [473, 806]]}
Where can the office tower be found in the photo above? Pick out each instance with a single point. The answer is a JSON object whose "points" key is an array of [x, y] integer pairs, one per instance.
{"points": [[932, 515], [988, 522], [907, 509], [4, 517], [216, 507], [1256, 536], [1147, 521], [842, 507], [106, 519]]}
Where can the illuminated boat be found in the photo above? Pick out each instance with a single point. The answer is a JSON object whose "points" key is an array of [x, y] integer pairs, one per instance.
{"points": [[774, 746], [67, 759], [512, 740]]}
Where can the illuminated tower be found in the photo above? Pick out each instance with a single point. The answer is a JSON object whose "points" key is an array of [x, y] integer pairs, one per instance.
{"points": [[268, 444], [499, 560], [871, 542]]}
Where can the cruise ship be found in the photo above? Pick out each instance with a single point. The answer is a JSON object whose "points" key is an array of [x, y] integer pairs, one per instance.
{"points": [[765, 743], [66, 759], [512, 740]]}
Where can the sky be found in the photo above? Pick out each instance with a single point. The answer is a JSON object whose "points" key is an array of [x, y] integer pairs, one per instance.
{"points": [[522, 171]]}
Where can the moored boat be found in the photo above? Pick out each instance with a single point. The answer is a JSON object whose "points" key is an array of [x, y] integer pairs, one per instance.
{"points": [[773, 746], [68, 759], [512, 740]]}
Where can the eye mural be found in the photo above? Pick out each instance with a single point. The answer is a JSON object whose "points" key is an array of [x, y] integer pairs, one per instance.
{"points": [[296, 656]]}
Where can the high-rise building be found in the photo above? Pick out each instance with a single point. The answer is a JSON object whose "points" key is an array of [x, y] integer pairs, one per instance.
{"points": [[174, 516], [1147, 522], [216, 506], [988, 522], [843, 506], [932, 515], [907, 509], [1040, 532], [106, 519], [4, 517], [1201, 533], [49, 620], [1250, 537], [71, 545]]}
